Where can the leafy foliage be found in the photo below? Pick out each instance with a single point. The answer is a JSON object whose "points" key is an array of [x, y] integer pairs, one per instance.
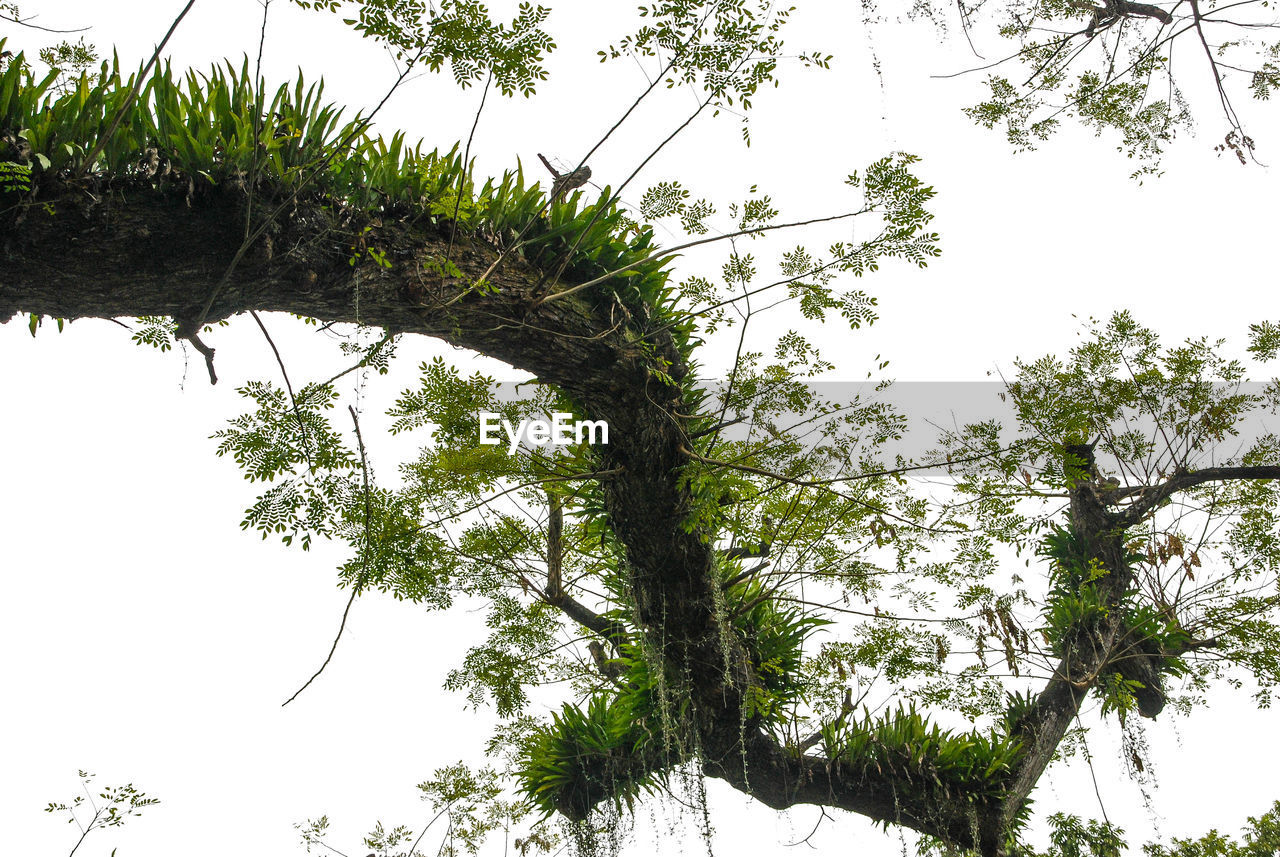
{"points": [[956, 768], [1261, 838], [1153, 412], [1075, 605], [459, 33], [113, 806], [603, 748], [729, 48]]}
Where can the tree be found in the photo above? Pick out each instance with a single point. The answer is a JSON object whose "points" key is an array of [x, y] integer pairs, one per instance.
{"points": [[681, 551]]}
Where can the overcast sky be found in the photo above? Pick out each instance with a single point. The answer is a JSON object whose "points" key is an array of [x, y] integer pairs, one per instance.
{"points": [[150, 640]]}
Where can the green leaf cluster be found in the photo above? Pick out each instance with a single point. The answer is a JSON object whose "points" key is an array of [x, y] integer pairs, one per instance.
{"points": [[460, 34], [965, 769], [1261, 839], [613, 747]]}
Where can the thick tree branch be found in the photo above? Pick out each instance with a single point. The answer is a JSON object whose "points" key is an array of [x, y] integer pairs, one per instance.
{"points": [[1150, 499], [1137, 10], [555, 546], [142, 252], [1113, 10]]}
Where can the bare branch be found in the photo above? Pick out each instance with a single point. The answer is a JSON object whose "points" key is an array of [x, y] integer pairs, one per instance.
{"points": [[671, 251], [302, 426], [364, 564], [1151, 498], [26, 22]]}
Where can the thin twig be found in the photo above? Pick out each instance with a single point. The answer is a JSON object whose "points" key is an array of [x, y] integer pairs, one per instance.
{"points": [[617, 194], [659, 254], [191, 333], [27, 23], [297, 412], [85, 831], [331, 848], [341, 627], [571, 478], [516, 242], [462, 174], [1227, 109], [825, 485], [737, 356], [364, 563], [820, 483], [260, 98], [414, 848], [363, 361]]}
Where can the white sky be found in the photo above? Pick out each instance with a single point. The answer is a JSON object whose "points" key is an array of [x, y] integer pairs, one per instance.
{"points": [[150, 640]]}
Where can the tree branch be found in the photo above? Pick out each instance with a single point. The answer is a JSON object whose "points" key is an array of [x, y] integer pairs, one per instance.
{"points": [[1150, 499], [555, 595], [26, 22]]}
